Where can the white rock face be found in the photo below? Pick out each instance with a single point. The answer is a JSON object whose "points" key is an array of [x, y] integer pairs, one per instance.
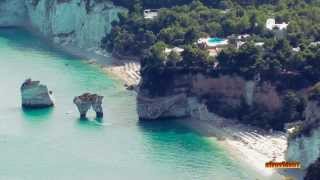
{"points": [[155, 108], [35, 95], [86, 101], [306, 149], [249, 92], [12, 12], [80, 23]]}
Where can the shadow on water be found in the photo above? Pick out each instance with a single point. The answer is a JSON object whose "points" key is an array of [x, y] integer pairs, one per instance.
{"points": [[162, 126], [186, 148], [20, 39], [90, 123], [169, 132], [37, 114]]}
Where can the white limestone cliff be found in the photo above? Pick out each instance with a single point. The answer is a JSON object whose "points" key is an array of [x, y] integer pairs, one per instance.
{"points": [[305, 146], [12, 12], [78, 23], [154, 108]]}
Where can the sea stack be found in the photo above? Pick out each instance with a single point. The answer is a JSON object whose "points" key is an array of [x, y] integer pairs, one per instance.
{"points": [[97, 105], [85, 101], [35, 95]]}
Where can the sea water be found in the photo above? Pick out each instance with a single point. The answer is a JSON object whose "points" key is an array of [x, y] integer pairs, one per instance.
{"points": [[54, 144]]}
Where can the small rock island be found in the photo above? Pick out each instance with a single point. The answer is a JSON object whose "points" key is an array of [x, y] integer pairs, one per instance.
{"points": [[88, 100], [35, 95]]}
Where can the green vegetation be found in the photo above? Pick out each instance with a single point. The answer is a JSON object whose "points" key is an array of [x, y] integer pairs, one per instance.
{"points": [[183, 24], [290, 61]]}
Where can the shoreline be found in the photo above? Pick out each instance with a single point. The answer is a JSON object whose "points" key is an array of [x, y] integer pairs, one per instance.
{"points": [[127, 72], [122, 71], [245, 153]]}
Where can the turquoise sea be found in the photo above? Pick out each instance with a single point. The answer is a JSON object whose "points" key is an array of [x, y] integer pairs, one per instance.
{"points": [[53, 144]]}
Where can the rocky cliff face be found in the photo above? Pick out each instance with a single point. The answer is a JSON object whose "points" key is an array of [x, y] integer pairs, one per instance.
{"points": [[12, 12], [155, 108], [80, 23], [304, 146], [220, 93], [313, 171]]}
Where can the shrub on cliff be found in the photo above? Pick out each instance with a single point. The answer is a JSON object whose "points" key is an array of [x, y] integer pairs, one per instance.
{"points": [[314, 93], [192, 55], [244, 61], [292, 108]]}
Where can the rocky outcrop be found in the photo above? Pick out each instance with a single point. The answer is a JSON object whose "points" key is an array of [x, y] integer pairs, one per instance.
{"points": [[304, 144], [79, 23], [96, 105], [221, 94], [12, 12], [304, 148], [35, 95], [155, 108], [86, 101], [313, 171]]}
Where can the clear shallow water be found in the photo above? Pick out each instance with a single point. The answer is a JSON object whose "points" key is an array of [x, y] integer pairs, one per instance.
{"points": [[54, 144]]}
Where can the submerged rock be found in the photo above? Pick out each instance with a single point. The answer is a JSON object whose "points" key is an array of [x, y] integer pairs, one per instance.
{"points": [[85, 101], [35, 95]]}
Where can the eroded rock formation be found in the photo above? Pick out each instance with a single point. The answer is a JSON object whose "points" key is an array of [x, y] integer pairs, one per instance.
{"points": [[35, 95], [86, 101], [223, 94], [174, 106], [304, 141]]}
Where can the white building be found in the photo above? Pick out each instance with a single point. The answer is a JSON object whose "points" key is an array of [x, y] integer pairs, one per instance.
{"points": [[175, 49], [317, 43], [259, 44], [150, 13], [271, 25]]}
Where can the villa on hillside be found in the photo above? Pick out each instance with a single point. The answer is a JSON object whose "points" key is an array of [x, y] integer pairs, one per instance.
{"points": [[213, 45], [317, 43], [271, 25], [177, 50], [278, 29], [150, 13], [238, 40]]}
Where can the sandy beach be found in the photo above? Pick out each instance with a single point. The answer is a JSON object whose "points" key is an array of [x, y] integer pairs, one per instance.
{"points": [[253, 147], [126, 71]]}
